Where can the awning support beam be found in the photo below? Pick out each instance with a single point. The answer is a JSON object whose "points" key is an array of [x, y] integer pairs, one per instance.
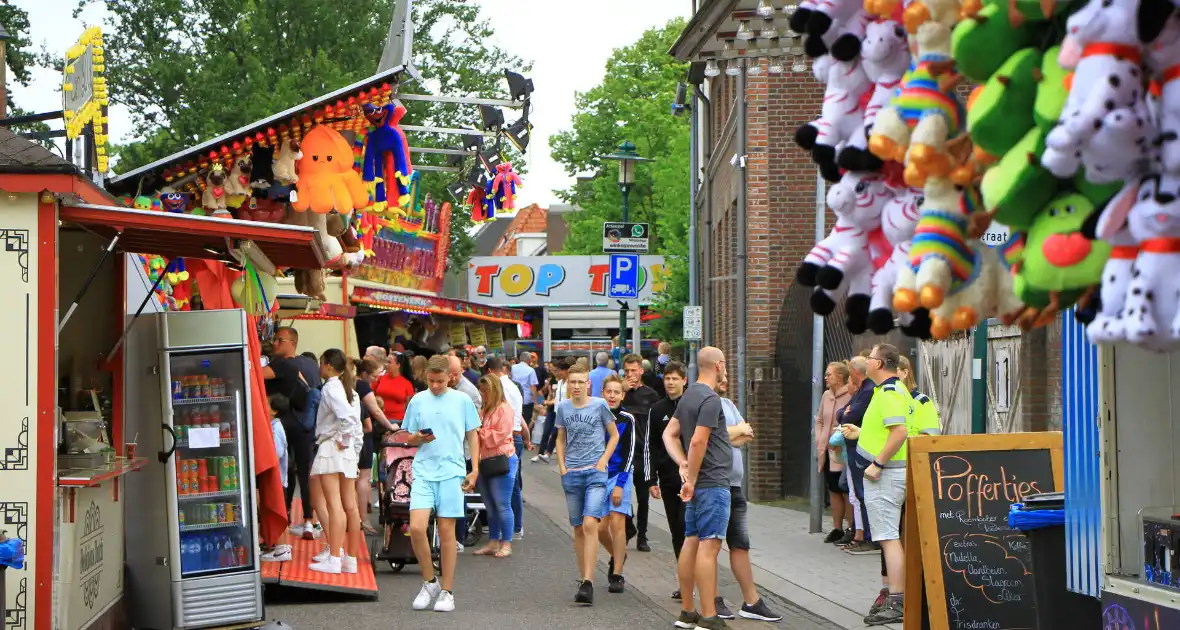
{"points": [[89, 280], [448, 130], [142, 305], [462, 100]]}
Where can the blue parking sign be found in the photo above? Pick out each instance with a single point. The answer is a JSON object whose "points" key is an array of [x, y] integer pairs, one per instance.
{"points": [[623, 282]]}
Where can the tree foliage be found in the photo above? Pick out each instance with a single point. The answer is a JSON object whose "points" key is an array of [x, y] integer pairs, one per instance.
{"points": [[20, 59], [634, 102], [189, 70]]}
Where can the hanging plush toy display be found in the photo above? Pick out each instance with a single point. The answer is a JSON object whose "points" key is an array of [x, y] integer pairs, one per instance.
{"points": [[387, 164], [502, 188], [326, 179]]}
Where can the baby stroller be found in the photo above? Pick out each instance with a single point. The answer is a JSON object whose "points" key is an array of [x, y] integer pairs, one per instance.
{"points": [[396, 467]]}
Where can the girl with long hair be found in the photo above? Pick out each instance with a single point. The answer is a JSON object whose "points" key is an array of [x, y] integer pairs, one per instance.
{"points": [[495, 439], [339, 439], [418, 372], [831, 460]]}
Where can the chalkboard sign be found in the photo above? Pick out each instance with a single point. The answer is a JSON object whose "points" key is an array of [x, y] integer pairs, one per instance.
{"points": [[977, 571]]}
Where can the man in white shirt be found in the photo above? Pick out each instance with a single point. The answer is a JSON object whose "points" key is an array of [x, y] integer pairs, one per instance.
{"points": [[525, 375]]}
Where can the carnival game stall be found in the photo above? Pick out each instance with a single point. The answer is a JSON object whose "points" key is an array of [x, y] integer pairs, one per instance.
{"points": [[1056, 121]]}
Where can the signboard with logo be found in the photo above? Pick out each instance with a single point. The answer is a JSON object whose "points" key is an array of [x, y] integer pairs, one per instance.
{"points": [[412, 303], [555, 280], [91, 569], [692, 323], [84, 92], [626, 238]]}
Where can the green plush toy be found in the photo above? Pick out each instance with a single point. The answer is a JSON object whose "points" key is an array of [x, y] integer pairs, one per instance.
{"points": [[983, 43], [1001, 114], [1059, 265], [1051, 91], [1098, 194], [1017, 187]]}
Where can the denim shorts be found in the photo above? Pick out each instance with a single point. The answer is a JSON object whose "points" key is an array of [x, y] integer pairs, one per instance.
{"points": [[884, 500], [707, 515], [585, 494], [737, 535], [444, 497], [624, 506]]}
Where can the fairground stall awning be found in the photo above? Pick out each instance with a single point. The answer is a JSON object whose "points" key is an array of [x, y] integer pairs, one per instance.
{"points": [[338, 109], [193, 236], [393, 300]]}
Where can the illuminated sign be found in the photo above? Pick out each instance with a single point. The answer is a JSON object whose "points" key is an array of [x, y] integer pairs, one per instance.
{"points": [[392, 300], [554, 280], [84, 92]]}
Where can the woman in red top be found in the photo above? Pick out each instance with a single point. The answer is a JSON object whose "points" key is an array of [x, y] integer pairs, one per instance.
{"points": [[395, 389]]}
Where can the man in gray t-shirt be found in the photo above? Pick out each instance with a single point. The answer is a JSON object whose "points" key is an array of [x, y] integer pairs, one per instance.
{"points": [[698, 441], [701, 406]]}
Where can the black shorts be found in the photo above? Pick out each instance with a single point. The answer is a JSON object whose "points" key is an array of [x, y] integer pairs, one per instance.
{"points": [[737, 536], [834, 479], [365, 460]]}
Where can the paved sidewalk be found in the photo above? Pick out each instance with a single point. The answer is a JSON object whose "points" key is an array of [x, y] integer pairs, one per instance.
{"points": [[812, 580]]}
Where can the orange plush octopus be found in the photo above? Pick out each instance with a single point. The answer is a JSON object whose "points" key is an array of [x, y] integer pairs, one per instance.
{"points": [[327, 181]]}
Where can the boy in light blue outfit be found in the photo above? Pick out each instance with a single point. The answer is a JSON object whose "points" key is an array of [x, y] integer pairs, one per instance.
{"points": [[439, 420], [279, 403]]}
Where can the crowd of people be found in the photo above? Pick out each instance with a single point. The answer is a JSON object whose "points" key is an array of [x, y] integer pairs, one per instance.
{"points": [[623, 433], [870, 409]]}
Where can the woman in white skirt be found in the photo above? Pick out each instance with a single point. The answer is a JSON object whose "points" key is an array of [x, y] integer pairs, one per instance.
{"points": [[339, 437]]}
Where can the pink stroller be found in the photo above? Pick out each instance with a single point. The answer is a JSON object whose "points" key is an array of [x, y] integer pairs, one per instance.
{"points": [[396, 471]]}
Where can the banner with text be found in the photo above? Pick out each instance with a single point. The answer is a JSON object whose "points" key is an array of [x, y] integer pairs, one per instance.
{"points": [[554, 280]]}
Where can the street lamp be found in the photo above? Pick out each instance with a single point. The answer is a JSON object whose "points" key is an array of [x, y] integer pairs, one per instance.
{"points": [[628, 158]]}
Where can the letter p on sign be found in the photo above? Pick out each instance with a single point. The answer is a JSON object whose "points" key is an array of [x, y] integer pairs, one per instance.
{"points": [[624, 277]]}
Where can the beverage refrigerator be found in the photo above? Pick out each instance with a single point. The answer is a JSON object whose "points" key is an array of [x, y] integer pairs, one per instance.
{"points": [[192, 542]]}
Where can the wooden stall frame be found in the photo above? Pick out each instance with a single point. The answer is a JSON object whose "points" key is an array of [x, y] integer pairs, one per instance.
{"points": [[923, 568]]}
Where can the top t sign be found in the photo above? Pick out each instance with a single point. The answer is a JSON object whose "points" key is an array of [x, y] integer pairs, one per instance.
{"points": [[628, 238]]}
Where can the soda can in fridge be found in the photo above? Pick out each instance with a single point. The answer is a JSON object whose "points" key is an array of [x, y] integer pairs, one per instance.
{"points": [[177, 390], [230, 513], [221, 513]]}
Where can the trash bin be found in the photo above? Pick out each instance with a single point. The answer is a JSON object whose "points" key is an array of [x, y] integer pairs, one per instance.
{"points": [[1042, 519]]}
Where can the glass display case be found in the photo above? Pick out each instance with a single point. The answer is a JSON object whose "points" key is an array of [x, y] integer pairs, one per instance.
{"points": [[213, 514]]}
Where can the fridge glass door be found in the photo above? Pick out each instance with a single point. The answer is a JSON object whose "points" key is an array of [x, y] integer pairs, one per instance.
{"points": [[213, 510]]}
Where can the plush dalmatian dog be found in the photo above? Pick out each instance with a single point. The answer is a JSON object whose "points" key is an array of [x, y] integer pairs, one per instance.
{"points": [[1163, 56], [1103, 45], [1151, 315], [1116, 274]]}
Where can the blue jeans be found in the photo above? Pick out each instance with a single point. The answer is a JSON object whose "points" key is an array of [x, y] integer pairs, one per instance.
{"points": [[497, 497], [517, 504], [585, 494], [707, 516], [549, 441]]}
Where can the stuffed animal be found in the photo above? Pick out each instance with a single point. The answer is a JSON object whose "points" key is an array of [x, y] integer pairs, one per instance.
{"points": [[899, 218], [387, 156], [841, 116], [1163, 57], [215, 197], [1151, 316], [1001, 111], [1116, 274], [941, 260], [285, 158], [1103, 45], [1059, 264], [503, 186], [855, 249], [924, 114], [238, 183], [981, 44], [886, 58], [326, 179]]}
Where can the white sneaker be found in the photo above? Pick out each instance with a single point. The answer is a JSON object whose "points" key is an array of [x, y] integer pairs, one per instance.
{"points": [[296, 530], [281, 553], [518, 535], [445, 602], [312, 532], [428, 595], [535, 458], [461, 547], [331, 565], [323, 555], [347, 564], [544, 458]]}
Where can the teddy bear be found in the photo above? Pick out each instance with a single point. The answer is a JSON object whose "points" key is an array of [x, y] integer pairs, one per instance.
{"points": [[924, 114]]}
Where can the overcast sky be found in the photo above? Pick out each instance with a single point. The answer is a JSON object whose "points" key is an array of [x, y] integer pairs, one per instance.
{"points": [[568, 43]]}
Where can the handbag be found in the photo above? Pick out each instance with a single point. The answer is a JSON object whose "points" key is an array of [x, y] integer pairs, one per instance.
{"points": [[494, 466]]}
